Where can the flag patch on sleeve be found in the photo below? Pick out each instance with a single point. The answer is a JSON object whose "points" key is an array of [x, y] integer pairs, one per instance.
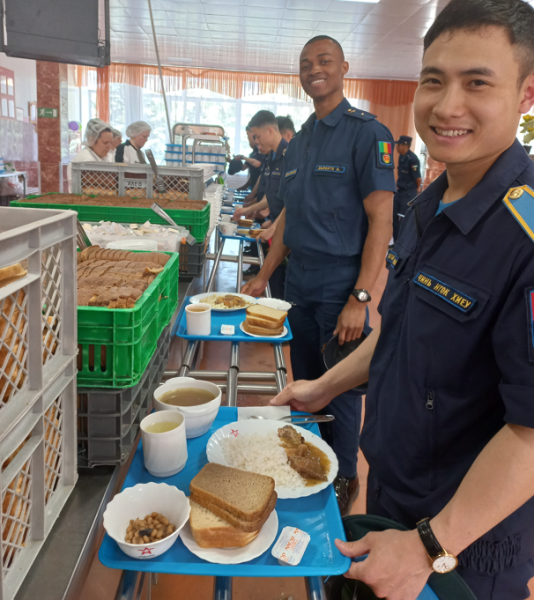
{"points": [[385, 154]]}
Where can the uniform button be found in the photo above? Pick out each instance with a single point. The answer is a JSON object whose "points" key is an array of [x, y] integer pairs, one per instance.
{"points": [[517, 193]]}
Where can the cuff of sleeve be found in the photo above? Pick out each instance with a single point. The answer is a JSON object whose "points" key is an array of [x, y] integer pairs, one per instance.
{"points": [[519, 405]]}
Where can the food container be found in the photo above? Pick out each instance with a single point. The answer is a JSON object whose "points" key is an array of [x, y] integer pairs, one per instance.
{"points": [[290, 546], [228, 228], [138, 501], [164, 454], [198, 419]]}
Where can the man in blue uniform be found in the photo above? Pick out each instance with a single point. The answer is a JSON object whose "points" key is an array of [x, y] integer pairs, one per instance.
{"points": [[337, 191], [408, 181], [449, 420], [254, 164]]}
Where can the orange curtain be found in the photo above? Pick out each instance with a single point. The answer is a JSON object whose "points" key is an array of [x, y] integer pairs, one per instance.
{"points": [[102, 94], [391, 101]]}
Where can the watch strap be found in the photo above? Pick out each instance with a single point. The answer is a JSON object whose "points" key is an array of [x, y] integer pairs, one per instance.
{"points": [[430, 542]]}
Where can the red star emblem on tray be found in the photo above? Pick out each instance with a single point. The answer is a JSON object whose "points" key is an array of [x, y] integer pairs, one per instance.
{"points": [[146, 551], [234, 432]]}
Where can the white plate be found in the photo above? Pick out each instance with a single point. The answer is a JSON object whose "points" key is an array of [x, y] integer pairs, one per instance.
{"points": [[274, 303], [271, 337], [200, 298], [261, 427], [234, 556]]}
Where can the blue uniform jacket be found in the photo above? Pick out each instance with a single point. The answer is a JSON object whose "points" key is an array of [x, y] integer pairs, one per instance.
{"points": [[270, 179], [409, 170], [455, 359], [331, 166]]}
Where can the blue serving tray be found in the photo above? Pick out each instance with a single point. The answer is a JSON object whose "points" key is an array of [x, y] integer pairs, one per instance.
{"points": [[219, 318], [318, 515]]}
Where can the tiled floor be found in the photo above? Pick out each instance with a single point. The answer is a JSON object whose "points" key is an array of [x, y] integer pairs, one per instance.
{"points": [[102, 582]]}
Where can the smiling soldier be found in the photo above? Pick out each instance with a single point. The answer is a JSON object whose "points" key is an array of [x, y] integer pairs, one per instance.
{"points": [[337, 193], [449, 425]]}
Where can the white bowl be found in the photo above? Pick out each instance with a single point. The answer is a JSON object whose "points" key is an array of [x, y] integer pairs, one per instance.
{"points": [[198, 419], [136, 502], [274, 303]]}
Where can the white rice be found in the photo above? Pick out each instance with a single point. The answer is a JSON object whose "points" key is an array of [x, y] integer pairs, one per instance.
{"points": [[261, 454]]}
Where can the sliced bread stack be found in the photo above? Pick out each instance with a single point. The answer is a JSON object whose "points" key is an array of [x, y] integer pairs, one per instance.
{"points": [[229, 506], [264, 321]]}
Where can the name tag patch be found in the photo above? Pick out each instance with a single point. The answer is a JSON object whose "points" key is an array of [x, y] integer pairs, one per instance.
{"points": [[329, 169], [276, 173], [291, 173], [444, 291], [392, 259]]}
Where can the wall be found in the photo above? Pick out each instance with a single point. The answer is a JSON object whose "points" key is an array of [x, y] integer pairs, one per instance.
{"points": [[18, 139]]}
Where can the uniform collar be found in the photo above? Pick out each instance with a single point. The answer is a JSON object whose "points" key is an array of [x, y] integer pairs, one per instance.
{"points": [[331, 119], [492, 187]]}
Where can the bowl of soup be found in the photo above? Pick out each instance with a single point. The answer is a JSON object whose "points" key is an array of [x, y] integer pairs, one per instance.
{"points": [[198, 401]]}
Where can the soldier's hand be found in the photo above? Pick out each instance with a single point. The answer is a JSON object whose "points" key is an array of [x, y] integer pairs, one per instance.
{"points": [[351, 321], [238, 213], [255, 287], [307, 396], [266, 234]]}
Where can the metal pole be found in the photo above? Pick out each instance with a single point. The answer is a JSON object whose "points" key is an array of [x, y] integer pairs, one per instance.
{"points": [[233, 372], [211, 280], [260, 254], [243, 375], [189, 356], [128, 585], [247, 260], [315, 588], [240, 267], [222, 588]]}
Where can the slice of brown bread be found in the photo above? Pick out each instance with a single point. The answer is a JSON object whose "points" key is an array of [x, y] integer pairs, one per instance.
{"points": [[243, 494], [242, 524], [268, 313], [210, 531], [262, 330], [264, 323]]}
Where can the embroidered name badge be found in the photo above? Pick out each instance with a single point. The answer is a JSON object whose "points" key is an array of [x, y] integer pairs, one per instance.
{"points": [[267, 172], [530, 323], [291, 173], [446, 292], [276, 173], [392, 259], [329, 169], [385, 153]]}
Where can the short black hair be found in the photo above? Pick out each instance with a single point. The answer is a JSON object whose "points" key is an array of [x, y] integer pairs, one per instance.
{"points": [[516, 17], [286, 124], [263, 118], [319, 38]]}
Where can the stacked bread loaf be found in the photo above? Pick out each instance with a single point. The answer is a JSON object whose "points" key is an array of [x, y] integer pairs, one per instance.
{"points": [[229, 506], [116, 278], [264, 321]]}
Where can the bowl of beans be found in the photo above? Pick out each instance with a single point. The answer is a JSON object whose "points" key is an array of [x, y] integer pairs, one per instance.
{"points": [[145, 520]]}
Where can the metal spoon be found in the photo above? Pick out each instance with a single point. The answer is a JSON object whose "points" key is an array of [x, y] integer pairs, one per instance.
{"points": [[299, 418]]}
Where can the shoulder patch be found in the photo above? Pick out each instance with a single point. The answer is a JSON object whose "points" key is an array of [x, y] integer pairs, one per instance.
{"points": [[360, 114], [385, 154], [520, 202]]}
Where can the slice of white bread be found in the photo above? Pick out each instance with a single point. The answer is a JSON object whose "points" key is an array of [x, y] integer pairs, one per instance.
{"points": [[246, 526], [210, 531], [244, 494], [265, 323], [268, 314], [262, 330]]}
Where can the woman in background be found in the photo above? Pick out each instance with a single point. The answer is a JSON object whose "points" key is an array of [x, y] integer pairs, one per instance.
{"points": [[130, 152], [117, 140], [98, 142]]}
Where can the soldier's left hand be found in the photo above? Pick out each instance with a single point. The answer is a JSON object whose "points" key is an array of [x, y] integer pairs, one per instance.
{"points": [[351, 321]]}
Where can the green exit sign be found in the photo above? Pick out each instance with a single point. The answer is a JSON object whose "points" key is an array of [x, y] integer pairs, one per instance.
{"points": [[47, 113]]}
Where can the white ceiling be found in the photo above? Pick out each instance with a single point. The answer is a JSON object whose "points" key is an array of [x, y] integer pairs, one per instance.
{"points": [[381, 40]]}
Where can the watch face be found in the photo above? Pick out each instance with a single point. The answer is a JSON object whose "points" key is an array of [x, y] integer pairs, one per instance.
{"points": [[444, 564]]}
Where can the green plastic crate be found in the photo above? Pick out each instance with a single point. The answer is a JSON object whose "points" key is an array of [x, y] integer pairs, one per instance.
{"points": [[116, 345], [197, 221]]}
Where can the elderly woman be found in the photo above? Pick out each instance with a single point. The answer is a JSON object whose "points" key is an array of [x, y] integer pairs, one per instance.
{"points": [[98, 142], [130, 152]]}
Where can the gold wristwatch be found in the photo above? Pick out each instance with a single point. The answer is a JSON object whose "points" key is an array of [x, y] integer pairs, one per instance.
{"points": [[441, 560]]}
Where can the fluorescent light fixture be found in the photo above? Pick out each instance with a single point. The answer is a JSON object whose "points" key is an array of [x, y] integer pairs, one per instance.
{"points": [[363, 1]]}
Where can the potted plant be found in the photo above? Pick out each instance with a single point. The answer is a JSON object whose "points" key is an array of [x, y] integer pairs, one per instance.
{"points": [[527, 129]]}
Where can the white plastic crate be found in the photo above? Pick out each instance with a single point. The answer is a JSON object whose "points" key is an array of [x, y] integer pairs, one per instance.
{"points": [[136, 181], [37, 382], [38, 472]]}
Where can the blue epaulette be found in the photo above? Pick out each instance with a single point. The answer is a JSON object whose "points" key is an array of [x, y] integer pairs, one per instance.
{"points": [[360, 114], [520, 202]]}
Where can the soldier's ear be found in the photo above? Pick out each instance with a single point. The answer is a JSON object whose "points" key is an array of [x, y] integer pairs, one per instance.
{"points": [[527, 95], [345, 67]]}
